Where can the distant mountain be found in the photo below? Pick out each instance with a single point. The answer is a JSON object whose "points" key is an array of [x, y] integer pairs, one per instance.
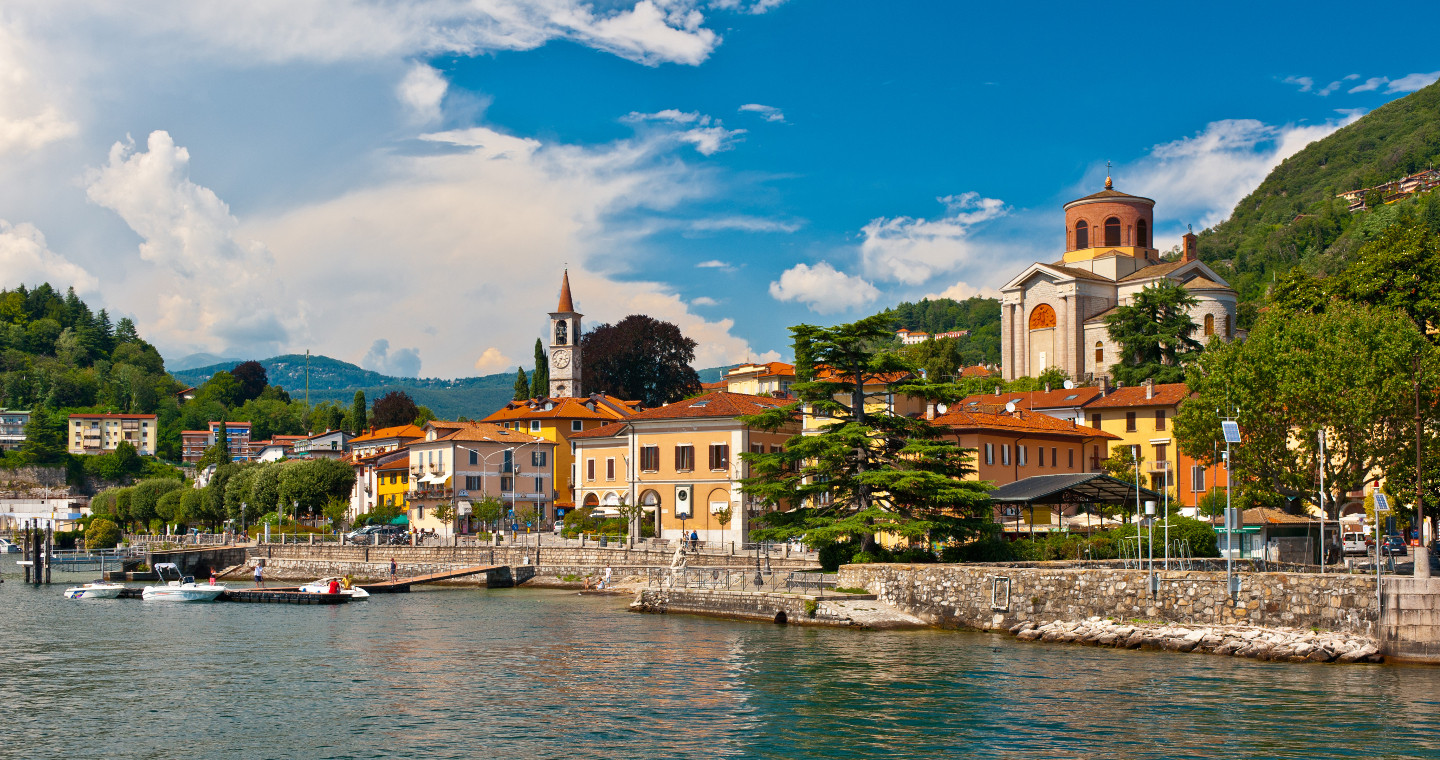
{"points": [[1294, 219], [335, 380], [199, 360], [714, 374]]}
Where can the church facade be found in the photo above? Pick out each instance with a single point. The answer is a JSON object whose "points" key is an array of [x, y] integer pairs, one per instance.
{"points": [[1053, 314]]}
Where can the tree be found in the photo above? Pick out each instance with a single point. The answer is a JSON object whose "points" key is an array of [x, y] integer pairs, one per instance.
{"points": [[1348, 371], [313, 482], [145, 498], [193, 501], [222, 437], [1399, 270], [335, 511], [222, 388], [1154, 335], [251, 379], [540, 378], [394, 408], [102, 534], [358, 415], [1123, 464], [45, 437], [1053, 378], [639, 358], [488, 511], [445, 513], [522, 385], [862, 473], [168, 506], [424, 415]]}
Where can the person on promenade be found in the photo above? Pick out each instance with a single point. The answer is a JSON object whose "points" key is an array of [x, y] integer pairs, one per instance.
{"points": [[606, 582], [259, 576], [694, 541], [392, 568]]}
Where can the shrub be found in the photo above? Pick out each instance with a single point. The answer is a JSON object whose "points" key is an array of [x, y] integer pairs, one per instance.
{"points": [[102, 534]]}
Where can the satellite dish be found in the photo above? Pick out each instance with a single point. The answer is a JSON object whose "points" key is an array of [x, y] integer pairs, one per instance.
{"points": [[1069, 385], [1010, 407], [941, 408]]}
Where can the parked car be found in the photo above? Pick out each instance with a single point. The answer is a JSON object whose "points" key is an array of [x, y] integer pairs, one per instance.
{"points": [[377, 535], [1354, 542], [1394, 546]]}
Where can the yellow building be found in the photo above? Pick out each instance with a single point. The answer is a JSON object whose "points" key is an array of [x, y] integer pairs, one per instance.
{"points": [[768, 379], [99, 433], [1143, 416], [392, 481]]}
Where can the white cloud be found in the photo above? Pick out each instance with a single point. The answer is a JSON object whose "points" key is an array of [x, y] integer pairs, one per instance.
{"points": [[1304, 83], [25, 259], [203, 281], [670, 115], [768, 113], [1413, 82], [422, 90], [743, 224], [492, 360], [704, 301], [1373, 83], [963, 290], [742, 6], [710, 140], [402, 362], [1202, 177], [911, 250], [1329, 88], [823, 288], [28, 120], [708, 135], [715, 264]]}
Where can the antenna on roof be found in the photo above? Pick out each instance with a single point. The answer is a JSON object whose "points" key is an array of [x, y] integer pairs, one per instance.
{"points": [[1010, 407], [1069, 385], [941, 408]]}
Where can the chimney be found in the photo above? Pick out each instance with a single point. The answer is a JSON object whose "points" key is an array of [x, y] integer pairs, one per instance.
{"points": [[930, 409], [1104, 386], [997, 390], [1047, 387], [1149, 388], [1188, 251]]}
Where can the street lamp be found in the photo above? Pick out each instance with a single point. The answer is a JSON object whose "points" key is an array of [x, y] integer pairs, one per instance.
{"points": [[1231, 429]]}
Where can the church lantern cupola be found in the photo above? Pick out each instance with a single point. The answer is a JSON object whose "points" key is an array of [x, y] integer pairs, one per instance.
{"points": [[1110, 222]]}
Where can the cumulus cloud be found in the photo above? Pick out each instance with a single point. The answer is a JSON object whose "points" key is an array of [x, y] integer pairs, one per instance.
{"points": [[744, 224], [24, 258], [823, 288], [963, 290], [704, 301], [204, 280], [1203, 176], [28, 119], [912, 250], [402, 362], [710, 140], [422, 91], [1413, 82], [708, 135], [768, 113], [493, 360]]}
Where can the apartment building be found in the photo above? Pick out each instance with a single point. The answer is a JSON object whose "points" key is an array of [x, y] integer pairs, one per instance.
{"points": [[99, 433], [12, 428], [461, 463], [194, 443]]}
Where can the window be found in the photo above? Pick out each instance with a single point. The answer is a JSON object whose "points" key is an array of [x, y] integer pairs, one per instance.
{"points": [[1072, 459], [757, 448], [989, 453], [534, 424], [1099, 354], [1112, 231], [474, 456], [1054, 457], [507, 463], [537, 458], [649, 458], [1095, 458], [1142, 234], [589, 469], [1082, 234], [1209, 325], [775, 449], [507, 484], [1162, 451], [1197, 479], [539, 485], [1095, 421], [576, 426], [420, 512], [1225, 327], [562, 329], [1129, 422], [1159, 419], [610, 468], [719, 456], [472, 482], [1022, 454], [1005, 453], [685, 458]]}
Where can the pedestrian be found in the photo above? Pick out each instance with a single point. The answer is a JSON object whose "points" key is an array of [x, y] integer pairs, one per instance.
{"points": [[392, 568], [606, 582], [694, 541], [259, 575]]}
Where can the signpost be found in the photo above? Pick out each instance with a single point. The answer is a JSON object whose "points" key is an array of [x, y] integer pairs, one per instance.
{"points": [[1231, 429], [1382, 504]]}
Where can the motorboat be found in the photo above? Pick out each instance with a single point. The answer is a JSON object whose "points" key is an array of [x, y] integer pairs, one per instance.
{"points": [[9, 547], [322, 586], [180, 588], [96, 590]]}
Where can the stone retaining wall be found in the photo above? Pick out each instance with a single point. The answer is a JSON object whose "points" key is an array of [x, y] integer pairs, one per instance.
{"points": [[975, 596], [761, 606], [466, 556]]}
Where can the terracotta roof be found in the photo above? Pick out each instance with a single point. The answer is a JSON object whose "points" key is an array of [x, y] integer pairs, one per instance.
{"points": [[976, 371], [604, 431], [718, 385], [197, 432], [485, 433], [397, 431], [562, 409], [713, 404], [1110, 193], [1204, 283], [566, 304], [1083, 274], [1166, 394], [767, 369], [1153, 271], [400, 463], [1020, 421], [825, 373], [1267, 516], [1056, 399]]}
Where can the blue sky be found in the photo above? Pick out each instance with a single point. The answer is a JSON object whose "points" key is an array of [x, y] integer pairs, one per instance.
{"points": [[399, 185]]}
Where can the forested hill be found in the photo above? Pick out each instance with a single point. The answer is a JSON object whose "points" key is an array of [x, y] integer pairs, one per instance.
{"points": [[981, 316], [1293, 217]]}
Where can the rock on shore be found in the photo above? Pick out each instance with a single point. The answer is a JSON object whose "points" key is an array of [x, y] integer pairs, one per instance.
{"points": [[1280, 645]]}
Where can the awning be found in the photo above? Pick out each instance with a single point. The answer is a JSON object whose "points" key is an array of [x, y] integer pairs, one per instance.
{"points": [[401, 520], [1070, 488]]}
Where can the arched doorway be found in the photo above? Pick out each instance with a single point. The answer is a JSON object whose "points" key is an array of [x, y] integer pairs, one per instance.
{"points": [[650, 508], [1041, 339]]}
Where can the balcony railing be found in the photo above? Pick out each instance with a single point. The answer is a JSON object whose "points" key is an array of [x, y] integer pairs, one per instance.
{"points": [[1157, 467]]}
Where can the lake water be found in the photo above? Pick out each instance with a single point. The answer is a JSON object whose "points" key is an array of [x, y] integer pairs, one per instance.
{"points": [[521, 673]]}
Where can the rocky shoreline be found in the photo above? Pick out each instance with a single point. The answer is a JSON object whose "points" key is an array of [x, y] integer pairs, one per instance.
{"points": [[1279, 645]]}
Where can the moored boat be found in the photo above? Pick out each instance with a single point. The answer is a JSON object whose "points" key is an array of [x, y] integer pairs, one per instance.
{"points": [[322, 586], [96, 590], [180, 588]]}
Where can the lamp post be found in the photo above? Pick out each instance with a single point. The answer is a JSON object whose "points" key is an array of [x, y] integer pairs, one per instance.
{"points": [[1231, 429], [484, 463], [1321, 434]]}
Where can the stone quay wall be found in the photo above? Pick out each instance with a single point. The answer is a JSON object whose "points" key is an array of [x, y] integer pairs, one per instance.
{"points": [[760, 606], [987, 597]]}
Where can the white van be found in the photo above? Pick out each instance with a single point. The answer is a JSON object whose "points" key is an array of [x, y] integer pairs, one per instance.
{"points": [[1354, 542]]}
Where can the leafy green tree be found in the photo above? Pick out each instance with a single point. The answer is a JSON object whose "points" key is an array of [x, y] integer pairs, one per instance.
{"points": [[488, 511], [265, 489], [1348, 371], [102, 534], [1053, 378], [1154, 335], [335, 511], [358, 419], [522, 385], [1401, 271], [168, 506], [222, 388], [122, 506], [540, 378], [238, 488], [314, 482], [863, 473], [445, 513], [424, 415], [193, 503], [145, 498], [44, 437]]}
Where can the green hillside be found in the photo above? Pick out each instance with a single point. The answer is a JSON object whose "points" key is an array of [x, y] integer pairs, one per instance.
{"points": [[1294, 219], [981, 316]]}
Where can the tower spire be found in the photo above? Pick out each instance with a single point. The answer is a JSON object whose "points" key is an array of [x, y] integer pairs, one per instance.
{"points": [[566, 304], [1108, 184]]}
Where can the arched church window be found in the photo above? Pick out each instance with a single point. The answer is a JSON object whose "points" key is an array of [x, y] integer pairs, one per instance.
{"points": [[562, 330], [1042, 317], [1082, 234], [1209, 325], [1099, 354], [1112, 231], [1225, 327], [1142, 234]]}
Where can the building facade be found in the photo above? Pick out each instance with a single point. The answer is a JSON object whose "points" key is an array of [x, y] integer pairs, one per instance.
{"points": [[565, 345], [461, 463], [767, 379], [99, 433], [194, 443], [12, 428], [1053, 315]]}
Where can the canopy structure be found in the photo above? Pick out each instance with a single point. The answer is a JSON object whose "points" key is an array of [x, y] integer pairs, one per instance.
{"points": [[1070, 488], [401, 520]]}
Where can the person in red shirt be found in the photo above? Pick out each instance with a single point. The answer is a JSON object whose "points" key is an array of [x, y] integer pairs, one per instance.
{"points": [[334, 586]]}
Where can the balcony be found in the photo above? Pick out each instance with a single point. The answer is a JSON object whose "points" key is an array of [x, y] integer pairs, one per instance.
{"points": [[1158, 467]]}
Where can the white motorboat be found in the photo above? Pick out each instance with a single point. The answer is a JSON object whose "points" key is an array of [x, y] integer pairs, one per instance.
{"points": [[180, 588], [322, 586], [97, 590]]}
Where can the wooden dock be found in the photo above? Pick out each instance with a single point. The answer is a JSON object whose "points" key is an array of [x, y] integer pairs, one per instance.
{"points": [[402, 585]]}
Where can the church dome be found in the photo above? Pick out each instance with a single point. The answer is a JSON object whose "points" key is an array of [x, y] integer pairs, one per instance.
{"points": [[1110, 219]]}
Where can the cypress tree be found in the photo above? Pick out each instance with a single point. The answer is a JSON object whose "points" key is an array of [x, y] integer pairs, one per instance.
{"points": [[540, 378], [357, 413], [522, 386]]}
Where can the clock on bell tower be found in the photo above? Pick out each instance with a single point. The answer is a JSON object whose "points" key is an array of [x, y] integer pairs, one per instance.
{"points": [[565, 345]]}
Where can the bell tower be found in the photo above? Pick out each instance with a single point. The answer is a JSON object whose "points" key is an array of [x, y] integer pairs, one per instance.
{"points": [[565, 345]]}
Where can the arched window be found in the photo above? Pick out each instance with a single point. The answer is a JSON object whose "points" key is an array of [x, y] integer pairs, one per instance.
{"points": [[1099, 354], [1225, 327], [1082, 234], [1209, 325], [562, 329], [1042, 317], [1142, 234], [1112, 231]]}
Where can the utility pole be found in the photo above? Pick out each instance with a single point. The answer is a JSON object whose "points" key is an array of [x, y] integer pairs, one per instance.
{"points": [[1422, 554], [1321, 434]]}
